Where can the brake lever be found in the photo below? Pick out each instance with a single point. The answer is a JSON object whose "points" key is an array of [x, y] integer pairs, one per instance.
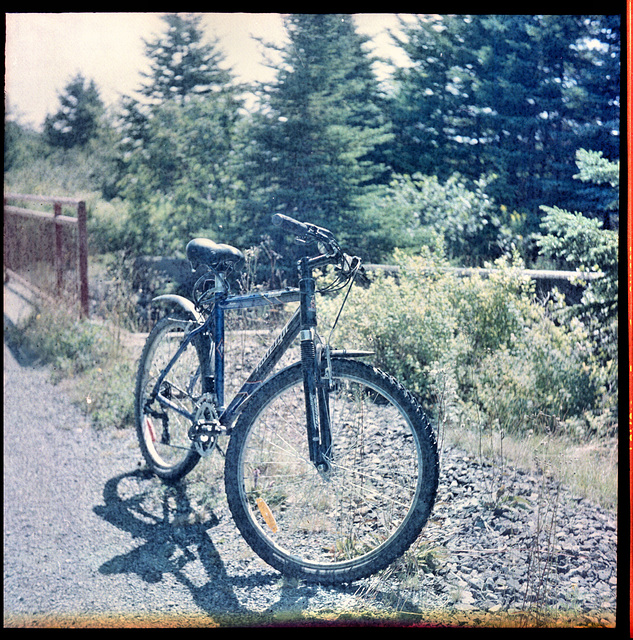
{"points": [[362, 278]]}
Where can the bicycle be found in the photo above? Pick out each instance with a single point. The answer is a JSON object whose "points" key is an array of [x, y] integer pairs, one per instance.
{"points": [[331, 468]]}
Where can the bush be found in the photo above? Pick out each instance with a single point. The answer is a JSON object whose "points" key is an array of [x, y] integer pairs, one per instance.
{"points": [[70, 345], [540, 382], [88, 352], [408, 322], [484, 346], [418, 210]]}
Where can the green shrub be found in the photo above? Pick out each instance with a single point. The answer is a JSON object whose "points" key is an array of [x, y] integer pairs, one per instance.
{"points": [[538, 383], [408, 322], [492, 310], [419, 210], [88, 352], [70, 345], [479, 346]]}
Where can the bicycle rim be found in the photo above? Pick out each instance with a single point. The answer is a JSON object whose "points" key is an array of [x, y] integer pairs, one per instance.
{"points": [[163, 431], [363, 513]]}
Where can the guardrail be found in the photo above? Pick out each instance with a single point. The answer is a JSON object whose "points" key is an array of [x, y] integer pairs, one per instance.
{"points": [[23, 250], [536, 274]]}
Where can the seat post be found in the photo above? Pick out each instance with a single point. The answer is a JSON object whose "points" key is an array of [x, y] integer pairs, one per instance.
{"points": [[218, 352]]}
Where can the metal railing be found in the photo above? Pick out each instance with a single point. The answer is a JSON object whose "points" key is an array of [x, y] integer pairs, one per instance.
{"points": [[535, 274], [30, 249]]}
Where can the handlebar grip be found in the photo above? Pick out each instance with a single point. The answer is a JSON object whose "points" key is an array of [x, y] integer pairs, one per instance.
{"points": [[290, 224]]}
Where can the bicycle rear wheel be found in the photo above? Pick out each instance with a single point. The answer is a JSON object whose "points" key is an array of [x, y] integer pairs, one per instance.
{"points": [[363, 513], [162, 431]]}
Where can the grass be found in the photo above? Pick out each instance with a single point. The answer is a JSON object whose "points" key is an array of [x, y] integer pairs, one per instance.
{"points": [[587, 469], [89, 359]]}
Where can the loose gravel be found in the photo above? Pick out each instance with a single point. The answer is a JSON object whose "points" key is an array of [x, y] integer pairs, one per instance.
{"points": [[90, 540]]}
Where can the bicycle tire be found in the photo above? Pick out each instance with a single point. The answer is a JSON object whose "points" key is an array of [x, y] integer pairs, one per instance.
{"points": [[166, 446], [362, 515]]}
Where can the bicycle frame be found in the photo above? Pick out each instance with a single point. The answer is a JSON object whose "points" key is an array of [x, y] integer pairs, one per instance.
{"points": [[303, 323], [316, 363], [212, 371]]}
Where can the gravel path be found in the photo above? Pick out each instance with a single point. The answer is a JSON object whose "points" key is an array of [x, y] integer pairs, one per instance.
{"points": [[91, 540]]}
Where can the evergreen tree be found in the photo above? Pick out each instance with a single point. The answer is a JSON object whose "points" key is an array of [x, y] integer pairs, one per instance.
{"points": [[511, 95], [310, 147], [597, 96], [78, 119], [22, 145], [177, 142], [576, 241], [182, 64], [428, 97]]}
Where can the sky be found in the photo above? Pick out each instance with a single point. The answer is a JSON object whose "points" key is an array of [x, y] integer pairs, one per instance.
{"points": [[44, 51]]}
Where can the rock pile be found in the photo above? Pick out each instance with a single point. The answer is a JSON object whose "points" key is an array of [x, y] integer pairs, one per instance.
{"points": [[508, 540]]}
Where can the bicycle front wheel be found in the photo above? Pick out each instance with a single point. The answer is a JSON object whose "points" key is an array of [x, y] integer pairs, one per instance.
{"points": [[162, 430], [361, 514]]}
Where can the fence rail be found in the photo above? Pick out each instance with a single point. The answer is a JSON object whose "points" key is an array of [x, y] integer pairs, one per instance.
{"points": [[535, 274], [18, 248]]}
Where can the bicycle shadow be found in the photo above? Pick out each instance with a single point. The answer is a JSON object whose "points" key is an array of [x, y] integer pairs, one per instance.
{"points": [[157, 515]]}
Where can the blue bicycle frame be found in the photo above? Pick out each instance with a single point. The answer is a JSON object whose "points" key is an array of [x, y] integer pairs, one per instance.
{"points": [[302, 323], [213, 377], [270, 358]]}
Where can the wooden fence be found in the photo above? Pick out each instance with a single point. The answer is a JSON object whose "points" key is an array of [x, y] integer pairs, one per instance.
{"points": [[47, 251]]}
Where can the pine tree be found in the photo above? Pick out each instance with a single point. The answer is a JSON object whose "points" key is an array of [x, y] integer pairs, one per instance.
{"points": [[182, 64], [79, 116], [177, 141], [511, 95], [311, 147], [429, 97]]}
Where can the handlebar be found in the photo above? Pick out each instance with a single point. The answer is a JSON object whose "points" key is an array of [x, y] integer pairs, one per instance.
{"points": [[306, 232]]}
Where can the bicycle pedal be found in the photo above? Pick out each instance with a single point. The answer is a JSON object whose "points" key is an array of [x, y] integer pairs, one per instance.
{"points": [[204, 443]]}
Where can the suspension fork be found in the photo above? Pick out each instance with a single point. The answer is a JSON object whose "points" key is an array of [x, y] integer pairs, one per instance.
{"points": [[316, 394]]}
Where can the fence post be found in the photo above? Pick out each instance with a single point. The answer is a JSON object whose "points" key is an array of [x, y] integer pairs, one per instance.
{"points": [[59, 245], [82, 242]]}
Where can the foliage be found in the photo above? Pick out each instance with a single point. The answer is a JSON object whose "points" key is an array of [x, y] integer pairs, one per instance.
{"points": [[73, 156], [70, 345], [573, 240], [503, 95], [178, 182], [512, 95], [410, 327], [416, 211], [594, 167], [582, 243], [181, 63], [509, 96], [499, 352], [22, 145], [603, 176], [87, 352], [310, 146], [177, 143]]}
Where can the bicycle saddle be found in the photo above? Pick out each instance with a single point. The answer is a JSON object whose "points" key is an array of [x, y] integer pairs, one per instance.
{"points": [[202, 251]]}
